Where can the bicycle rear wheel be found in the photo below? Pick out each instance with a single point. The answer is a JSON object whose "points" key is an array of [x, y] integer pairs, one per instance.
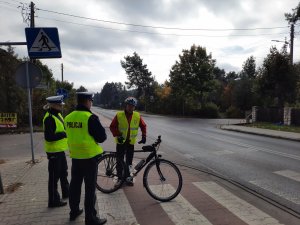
{"points": [[107, 178], [162, 180]]}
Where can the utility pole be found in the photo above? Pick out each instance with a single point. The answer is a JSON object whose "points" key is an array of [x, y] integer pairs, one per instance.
{"points": [[62, 72], [30, 89], [1, 186], [292, 42], [31, 14]]}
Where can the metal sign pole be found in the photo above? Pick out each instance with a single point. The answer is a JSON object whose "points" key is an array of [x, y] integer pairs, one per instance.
{"points": [[30, 111], [1, 186]]}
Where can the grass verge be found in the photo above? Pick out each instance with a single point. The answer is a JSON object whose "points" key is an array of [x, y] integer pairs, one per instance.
{"points": [[272, 126]]}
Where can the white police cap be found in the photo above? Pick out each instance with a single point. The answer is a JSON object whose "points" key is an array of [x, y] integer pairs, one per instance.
{"points": [[58, 99], [85, 95]]}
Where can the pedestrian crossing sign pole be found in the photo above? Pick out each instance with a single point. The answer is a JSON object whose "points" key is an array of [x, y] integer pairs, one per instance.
{"points": [[43, 42]]}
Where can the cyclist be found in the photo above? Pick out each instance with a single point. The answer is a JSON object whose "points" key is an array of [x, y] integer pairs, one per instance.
{"points": [[124, 128]]}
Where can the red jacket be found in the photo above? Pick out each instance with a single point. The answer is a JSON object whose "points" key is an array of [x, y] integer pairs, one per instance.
{"points": [[114, 125]]}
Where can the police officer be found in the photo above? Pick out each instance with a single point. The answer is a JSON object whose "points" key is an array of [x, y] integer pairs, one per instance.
{"points": [[55, 147], [124, 128], [84, 131]]}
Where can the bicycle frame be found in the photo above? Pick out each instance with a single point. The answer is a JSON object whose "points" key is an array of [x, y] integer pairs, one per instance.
{"points": [[153, 154], [158, 172]]}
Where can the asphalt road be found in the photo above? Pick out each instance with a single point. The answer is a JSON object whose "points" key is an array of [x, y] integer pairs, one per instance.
{"points": [[267, 165]]}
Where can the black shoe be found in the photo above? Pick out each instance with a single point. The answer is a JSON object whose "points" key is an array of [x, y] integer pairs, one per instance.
{"points": [[57, 204], [95, 221], [74, 215]]}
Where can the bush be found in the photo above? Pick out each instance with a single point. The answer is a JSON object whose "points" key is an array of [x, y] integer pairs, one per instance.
{"points": [[233, 112], [210, 110]]}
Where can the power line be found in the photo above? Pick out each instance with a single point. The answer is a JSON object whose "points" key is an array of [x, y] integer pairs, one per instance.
{"points": [[156, 27], [155, 33], [8, 3], [21, 4]]}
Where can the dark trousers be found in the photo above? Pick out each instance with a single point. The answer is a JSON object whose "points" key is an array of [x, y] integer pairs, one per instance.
{"points": [[84, 169], [58, 170], [126, 150]]}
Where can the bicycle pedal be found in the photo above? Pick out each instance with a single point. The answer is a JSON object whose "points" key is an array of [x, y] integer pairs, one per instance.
{"points": [[130, 179]]}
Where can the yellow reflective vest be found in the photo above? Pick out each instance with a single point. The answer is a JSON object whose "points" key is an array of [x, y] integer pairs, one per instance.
{"points": [[81, 144], [59, 145], [123, 126]]}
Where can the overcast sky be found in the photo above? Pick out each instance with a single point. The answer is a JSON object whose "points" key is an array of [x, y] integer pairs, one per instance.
{"points": [[96, 34]]}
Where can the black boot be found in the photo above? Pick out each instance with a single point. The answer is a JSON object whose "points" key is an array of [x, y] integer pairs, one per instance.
{"points": [[74, 215], [95, 221], [57, 204]]}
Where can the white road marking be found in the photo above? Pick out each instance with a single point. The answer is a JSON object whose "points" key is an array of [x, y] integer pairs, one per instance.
{"points": [[292, 197], [181, 211], [245, 211], [289, 174], [116, 208]]}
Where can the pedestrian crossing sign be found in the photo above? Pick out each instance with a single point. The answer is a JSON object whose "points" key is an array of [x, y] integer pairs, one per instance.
{"points": [[43, 42]]}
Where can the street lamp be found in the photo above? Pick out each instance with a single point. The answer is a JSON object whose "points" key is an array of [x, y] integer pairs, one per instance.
{"points": [[285, 42], [291, 48]]}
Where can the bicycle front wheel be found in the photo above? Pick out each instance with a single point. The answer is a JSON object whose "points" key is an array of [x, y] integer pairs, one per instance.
{"points": [[162, 180], [107, 177]]}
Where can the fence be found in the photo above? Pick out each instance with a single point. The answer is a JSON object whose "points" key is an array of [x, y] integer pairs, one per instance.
{"points": [[286, 115], [295, 117]]}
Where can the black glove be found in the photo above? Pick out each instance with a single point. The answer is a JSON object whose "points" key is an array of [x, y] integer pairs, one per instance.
{"points": [[143, 141], [121, 139]]}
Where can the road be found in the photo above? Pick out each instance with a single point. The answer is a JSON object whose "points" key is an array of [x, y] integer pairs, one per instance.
{"points": [[266, 165]]}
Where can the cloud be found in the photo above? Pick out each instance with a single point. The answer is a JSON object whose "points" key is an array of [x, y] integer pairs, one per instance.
{"points": [[237, 50], [96, 34]]}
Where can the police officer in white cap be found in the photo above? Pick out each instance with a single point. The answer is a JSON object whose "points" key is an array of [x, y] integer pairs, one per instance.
{"points": [[55, 147], [84, 132]]}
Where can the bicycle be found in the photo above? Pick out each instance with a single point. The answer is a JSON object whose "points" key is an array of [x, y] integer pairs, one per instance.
{"points": [[162, 178]]}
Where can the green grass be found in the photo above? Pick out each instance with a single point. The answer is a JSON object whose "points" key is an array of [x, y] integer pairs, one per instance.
{"points": [[273, 126]]}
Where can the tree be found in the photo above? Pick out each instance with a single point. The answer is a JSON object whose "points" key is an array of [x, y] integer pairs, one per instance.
{"points": [[192, 76], [243, 94], [112, 95], [14, 98], [81, 89], [231, 76], [137, 73], [293, 17], [277, 78], [249, 68], [219, 74], [297, 69]]}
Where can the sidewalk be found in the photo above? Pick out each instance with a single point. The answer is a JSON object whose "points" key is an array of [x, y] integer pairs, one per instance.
{"points": [[263, 132], [204, 199]]}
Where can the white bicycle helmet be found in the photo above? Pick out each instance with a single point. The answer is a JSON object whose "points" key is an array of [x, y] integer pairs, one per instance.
{"points": [[131, 101]]}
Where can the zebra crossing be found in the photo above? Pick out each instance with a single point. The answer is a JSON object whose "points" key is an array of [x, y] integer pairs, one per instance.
{"points": [[245, 211], [289, 174], [288, 179], [201, 201]]}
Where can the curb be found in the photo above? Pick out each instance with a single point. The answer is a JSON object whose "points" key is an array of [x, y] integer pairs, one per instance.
{"points": [[263, 132]]}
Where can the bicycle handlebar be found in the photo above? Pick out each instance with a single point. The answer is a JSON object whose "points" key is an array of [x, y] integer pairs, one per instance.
{"points": [[151, 148], [158, 141]]}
